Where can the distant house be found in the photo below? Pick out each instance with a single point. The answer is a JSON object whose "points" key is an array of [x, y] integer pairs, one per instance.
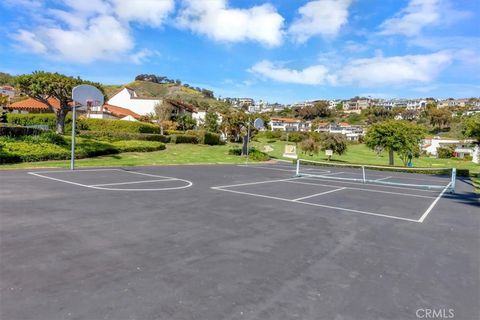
{"points": [[462, 148], [351, 133], [127, 98], [289, 124], [108, 111], [7, 91]]}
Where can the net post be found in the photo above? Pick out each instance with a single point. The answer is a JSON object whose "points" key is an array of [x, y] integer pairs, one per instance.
{"points": [[454, 178], [297, 170], [363, 174]]}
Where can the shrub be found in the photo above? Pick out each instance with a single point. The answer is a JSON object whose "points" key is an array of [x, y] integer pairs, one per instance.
{"points": [[17, 151], [445, 152], [310, 146], [117, 126], [31, 119], [183, 138], [19, 131], [253, 154], [117, 136], [276, 134], [294, 136], [205, 137], [172, 132]]}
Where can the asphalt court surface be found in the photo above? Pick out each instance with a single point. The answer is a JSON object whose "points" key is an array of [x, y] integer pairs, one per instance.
{"points": [[233, 242]]}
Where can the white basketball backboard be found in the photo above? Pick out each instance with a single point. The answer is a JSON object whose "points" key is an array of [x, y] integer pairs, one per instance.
{"points": [[87, 95]]}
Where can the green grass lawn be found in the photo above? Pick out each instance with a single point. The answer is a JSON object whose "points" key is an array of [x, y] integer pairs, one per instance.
{"points": [[359, 153], [174, 154]]}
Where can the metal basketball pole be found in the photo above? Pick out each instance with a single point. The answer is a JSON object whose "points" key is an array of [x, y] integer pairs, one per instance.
{"points": [[72, 160]]}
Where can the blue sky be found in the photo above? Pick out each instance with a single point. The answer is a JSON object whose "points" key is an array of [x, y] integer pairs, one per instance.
{"points": [[279, 51]]}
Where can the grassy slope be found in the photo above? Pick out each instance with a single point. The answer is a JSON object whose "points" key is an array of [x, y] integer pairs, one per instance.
{"points": [[174, 154], [359, 153]]}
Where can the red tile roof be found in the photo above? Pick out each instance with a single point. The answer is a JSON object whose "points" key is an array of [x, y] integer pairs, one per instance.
{"points": [[120, 112], [31, 104]]}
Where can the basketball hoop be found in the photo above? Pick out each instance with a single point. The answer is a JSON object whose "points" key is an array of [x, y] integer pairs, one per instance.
{"points": [[84, 96]]}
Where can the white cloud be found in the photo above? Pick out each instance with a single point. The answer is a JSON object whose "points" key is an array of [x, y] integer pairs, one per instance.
{"points": [[381, 71], [101, 38], [321, 17], [151, 12], [87, 31], [30, 42], [142, 56], [313, 75], [411, 20], [377, 71], [214, 19]]}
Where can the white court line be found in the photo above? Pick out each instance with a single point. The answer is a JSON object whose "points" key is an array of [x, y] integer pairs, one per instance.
{"points": [[317, 205], [383, 178], [316, 178], [258, 167], [332, 173], [365, 189], [188, 183], [79, 170], [253, 183], [319, 194], [131, 182], [146, 174], [424, 216]]}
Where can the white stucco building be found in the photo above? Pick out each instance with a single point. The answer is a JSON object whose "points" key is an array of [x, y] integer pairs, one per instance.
{"points": [[128, 98]]}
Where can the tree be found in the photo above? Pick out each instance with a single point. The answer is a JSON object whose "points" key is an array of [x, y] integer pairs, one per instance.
{"points": [[309, 146], [163, 112], [335, 142], [440, 118], [472, 127], [397, 136], [186, 122], [42, 86], [377, 114], [211, 121]]}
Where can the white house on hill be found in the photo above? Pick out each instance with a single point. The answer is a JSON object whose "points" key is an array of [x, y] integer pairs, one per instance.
{"points": [[127, 98]]}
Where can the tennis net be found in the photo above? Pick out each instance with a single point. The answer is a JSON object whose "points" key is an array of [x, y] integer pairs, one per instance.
{"points": [[416, 178]]}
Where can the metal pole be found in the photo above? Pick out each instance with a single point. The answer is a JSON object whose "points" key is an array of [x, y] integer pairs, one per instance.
{"points": [[72, 161], [363, 173], [297, 171], [248, 139]]}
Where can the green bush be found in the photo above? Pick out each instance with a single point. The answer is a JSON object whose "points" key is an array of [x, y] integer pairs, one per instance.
{"points": [[205, 137], [275, 134], [183, 138], [294, 136], [253, 153], [172, 132], [31, 119], [19, 131], [112, 125], [117, 136], [445, 152], [12, 151]]}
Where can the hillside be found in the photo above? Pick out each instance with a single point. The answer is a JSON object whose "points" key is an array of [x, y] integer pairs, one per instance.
{"points": [[167, 90]]}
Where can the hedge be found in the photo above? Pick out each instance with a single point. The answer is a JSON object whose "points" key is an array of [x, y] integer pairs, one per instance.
{"points": [[183, 138], [205, 137], [253, 154], [117, 136], [110, 125], [19, 131], [12, 151]]}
